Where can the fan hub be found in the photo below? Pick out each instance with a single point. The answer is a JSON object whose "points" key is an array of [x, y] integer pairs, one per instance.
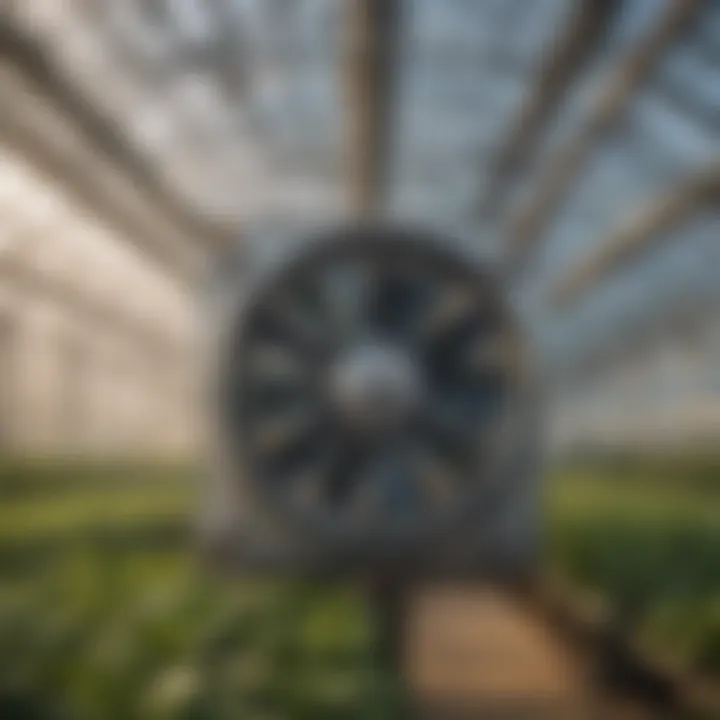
{"points": [[375, 386]]}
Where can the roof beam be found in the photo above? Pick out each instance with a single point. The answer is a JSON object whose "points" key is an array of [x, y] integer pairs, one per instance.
{"points": [[527, 227], [565, 60], [31, 126], [639, 235], [373, 38], [58, 129]]}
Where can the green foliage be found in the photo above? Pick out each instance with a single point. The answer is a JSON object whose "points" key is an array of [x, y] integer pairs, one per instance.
{"points": [[149, 635], [104, 612], [651, 549]]}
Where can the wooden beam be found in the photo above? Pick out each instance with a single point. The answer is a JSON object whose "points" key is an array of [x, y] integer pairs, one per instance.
{"points": [[373, 38], [31, 126], [527, 227], [637, 236], [570, 53], [41, 108]]}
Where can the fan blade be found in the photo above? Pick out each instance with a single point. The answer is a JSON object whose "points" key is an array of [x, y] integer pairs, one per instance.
{"points": [[265, 394], [276, 435], [276, 362], [400, 493], [381, 301], [348, 460], [306, 486], [287, 322], [453, 308], [346, 290], [396, 303], [449, 357], [435, 476], [489, 354], [447, 429]]}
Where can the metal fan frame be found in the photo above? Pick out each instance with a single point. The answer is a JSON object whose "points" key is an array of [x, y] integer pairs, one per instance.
{"points": [[378, 240]]}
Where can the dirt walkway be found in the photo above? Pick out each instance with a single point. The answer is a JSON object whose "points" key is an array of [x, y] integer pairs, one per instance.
{"points": [[480, 654]]}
